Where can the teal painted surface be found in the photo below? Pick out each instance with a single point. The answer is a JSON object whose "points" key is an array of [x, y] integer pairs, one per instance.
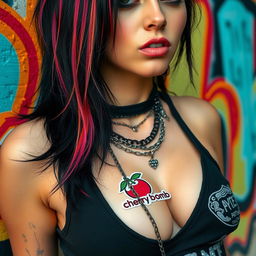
{"points": [[18, 5], [236, 26], [9, 74], [9, 2]]}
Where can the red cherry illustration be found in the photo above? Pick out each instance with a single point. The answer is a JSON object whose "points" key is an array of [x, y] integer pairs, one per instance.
{"points": [[141, 187]]}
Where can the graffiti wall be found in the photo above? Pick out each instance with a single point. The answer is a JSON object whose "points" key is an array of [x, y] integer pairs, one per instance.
{"points": [[225, 61], [19, 69], [225, 57]]}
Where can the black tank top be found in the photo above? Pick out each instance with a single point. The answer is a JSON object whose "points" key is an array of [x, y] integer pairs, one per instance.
{"points": [[93, 228]]}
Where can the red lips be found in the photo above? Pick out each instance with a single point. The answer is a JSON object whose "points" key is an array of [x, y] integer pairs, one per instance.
{"points": [[155, 52], [161, 40]]}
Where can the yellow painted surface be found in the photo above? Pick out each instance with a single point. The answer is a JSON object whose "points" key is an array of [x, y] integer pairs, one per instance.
{"points": [[3, 233]]}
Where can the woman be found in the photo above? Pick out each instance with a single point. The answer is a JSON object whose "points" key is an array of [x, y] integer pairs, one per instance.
{"points": [[108, 163]]}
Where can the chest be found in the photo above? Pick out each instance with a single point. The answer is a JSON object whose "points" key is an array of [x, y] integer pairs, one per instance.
{"points": [[170, 192], [179, 175], [199, 209]]}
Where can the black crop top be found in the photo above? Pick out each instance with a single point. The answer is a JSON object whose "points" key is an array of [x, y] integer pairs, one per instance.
{"points": [[93, 229]]}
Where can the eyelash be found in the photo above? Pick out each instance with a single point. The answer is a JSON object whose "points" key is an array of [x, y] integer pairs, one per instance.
{"points": [[122, 5], [177, 2], [129, 5]]}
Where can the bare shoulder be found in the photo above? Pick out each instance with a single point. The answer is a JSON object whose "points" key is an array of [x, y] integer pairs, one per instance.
{"points": [[25, 142], [26, 139], [25, 190], [204, 121], [198, 112]]}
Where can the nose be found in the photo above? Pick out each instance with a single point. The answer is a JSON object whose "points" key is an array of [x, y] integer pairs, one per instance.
{"points": [[155, 18]]}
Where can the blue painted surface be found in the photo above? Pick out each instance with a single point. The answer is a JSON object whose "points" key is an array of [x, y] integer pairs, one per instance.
{"points": [[9, 74], [9, 2], [236, 26]]}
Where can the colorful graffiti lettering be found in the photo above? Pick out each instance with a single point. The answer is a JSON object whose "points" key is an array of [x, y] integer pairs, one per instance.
{"points": [[233, 77], [225, 60], [19, 66], [19, 32], [227, 79]]}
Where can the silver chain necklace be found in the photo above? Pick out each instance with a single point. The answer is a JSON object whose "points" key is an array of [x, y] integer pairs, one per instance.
{"points": [[135, 127], [140, 148], [144, 207]]}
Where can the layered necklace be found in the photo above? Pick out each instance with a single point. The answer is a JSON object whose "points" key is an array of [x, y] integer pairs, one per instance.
{"points": [[144, 147]]}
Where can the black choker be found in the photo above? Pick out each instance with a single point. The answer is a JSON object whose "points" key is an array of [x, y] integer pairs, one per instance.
{"points": [[136, 109]]}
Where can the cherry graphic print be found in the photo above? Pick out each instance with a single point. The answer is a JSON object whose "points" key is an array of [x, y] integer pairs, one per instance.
{"points": [[141, 186]]}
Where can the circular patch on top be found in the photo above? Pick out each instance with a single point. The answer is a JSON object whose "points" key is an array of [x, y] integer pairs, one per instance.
{"points": [[224, 206]]}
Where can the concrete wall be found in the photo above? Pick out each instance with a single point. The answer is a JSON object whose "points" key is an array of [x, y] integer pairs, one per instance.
{"points": [[225, 58]]}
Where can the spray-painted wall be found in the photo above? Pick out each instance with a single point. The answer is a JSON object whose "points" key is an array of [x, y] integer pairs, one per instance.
{"points": [[19, 71], [225, 59]]}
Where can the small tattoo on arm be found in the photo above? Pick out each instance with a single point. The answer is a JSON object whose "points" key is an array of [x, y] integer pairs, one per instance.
{"points": [[27, 251], [24, 238], [39, 250]]}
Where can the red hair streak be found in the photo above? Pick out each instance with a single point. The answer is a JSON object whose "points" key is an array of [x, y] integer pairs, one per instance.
{"points": [[55, 39], [83, 31], [85, 123]]}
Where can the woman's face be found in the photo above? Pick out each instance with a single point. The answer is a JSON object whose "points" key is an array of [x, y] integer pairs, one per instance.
{"points": [[139, 22]]}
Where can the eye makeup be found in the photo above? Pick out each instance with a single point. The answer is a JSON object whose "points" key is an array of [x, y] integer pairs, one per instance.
{"points": [[131, 3], [127, 3]]}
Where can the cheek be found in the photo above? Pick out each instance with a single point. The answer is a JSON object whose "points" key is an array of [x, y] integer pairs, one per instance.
{"points": [[177, 23], [123, 32], [183, 20], [122, 48], [124, 44]]}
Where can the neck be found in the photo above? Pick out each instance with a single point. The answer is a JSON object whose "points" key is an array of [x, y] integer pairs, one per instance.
{"points": [[134, 109], [127, 88]]}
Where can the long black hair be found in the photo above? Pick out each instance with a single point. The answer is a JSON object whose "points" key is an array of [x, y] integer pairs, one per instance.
{"points": [[73, 95]]}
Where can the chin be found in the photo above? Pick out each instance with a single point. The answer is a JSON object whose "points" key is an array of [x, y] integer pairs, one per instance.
{"points": [[156, 68], [153, 72]]}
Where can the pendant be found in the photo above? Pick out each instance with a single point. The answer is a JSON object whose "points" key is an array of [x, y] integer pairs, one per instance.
{"points": [[153, 163], [135, 129]]}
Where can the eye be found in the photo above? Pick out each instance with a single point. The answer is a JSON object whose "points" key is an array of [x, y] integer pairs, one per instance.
{"points": [[172, 2], [126, 3]]}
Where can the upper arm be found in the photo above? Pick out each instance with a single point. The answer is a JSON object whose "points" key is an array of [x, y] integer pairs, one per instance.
{"points": [[30, 223], [206, 124], [216, 138]]}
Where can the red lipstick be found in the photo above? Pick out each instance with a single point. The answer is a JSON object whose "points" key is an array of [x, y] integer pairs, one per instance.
{"points": [[156, 47]]}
